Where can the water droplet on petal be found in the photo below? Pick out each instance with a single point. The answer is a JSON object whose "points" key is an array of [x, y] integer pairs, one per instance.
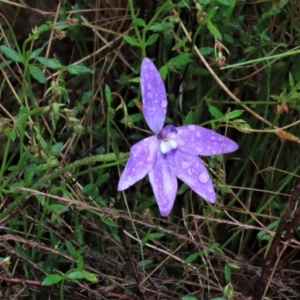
{"points": [[210, 189], [192, 127], [164, 103], [185, 164], [198, 134], [203, 177], [129, 180]]}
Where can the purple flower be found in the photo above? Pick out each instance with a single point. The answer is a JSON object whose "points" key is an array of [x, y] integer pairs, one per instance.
{"points": [[173, 151]]}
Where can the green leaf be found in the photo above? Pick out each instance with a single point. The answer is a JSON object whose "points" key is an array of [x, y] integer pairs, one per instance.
{"points": [[37, 73], [81, 274], [144, 263], [58, 208], [40, 198], [131, 41], [241, 125], [5, 64], [184, 4], [71, 249], [181, 43], [211, 13], [159, 27], [233, 114], [104, 178], [216, 247], [88, 188], [116, 237], [215, 112], [111, 110], [228, 38], [206, 50], [228, 291], [135, 80], [227, 272], [78, 69], [73, 119], [35, 53], [80, 262], [139, 22], [60, 26], [11, 53], [17, 185], [156, 235], [214, 30], [179, 62], [110, 222], [134, 118], [91, 277], [234, 266], [49, 62], [189, 119], [108, 95], [22, 119], [14, 168], [261, 235], [76, 275], [182, 189], [52, 279], [55, 149], [163, 71], [191, 257], [230, 3], [152, 39], [282, 3], [12, 135], [188, 298], [291, 80]]}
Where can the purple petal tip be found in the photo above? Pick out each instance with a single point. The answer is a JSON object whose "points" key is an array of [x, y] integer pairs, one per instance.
{"points": [[154, 96]]}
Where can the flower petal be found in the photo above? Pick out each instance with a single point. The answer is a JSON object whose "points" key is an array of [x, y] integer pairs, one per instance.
{"points": [[141, 161], [154, 96], [192, 171], [196, 140], [164, 185]]}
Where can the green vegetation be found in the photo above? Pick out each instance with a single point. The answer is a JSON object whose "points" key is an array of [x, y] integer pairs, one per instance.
{"points": [[70, 109]]}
